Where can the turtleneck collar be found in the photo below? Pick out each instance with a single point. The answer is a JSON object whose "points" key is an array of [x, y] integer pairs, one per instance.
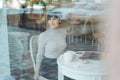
{"points": [[56, 31]]}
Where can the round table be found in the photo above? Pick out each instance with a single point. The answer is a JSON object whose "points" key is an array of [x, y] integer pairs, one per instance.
{"points": [[93, 70]]}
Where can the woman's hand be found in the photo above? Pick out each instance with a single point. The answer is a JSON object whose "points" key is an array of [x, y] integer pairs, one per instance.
{"points": [[36, 75]]}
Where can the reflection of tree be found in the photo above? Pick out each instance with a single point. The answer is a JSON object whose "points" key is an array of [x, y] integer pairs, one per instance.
{"points": [[54, 2], [16, 3]]}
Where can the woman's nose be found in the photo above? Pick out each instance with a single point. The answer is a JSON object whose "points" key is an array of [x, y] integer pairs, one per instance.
{"points": [[52, 20]]}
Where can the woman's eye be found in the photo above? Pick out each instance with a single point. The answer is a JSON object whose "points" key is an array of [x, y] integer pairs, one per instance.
{"points": [[55, 19]]}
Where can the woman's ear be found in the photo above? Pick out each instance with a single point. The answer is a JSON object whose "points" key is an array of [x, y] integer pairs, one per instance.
{"points": [[60, 22]]}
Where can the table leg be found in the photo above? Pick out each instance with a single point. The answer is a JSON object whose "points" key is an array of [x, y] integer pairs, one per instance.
{"points": [[60, 76]]}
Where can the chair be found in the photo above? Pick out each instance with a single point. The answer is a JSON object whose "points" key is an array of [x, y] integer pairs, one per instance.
{"points": [[78, 28], [16, 51], [99, 33], [23, 37], [33, 51], [99, 37]]}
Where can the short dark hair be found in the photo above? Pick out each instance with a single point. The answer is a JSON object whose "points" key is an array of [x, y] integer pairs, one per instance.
{"points": [[55, 14], [50, 16]]}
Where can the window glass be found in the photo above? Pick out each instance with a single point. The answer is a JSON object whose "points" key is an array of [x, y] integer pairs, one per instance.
{"points": [[82, 32]]}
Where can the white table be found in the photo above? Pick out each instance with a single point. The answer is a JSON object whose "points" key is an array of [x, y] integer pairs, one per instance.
{"points": [[94, 70]]}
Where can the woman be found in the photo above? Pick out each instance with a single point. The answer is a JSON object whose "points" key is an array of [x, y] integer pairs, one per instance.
{"points": [[51, 44]]}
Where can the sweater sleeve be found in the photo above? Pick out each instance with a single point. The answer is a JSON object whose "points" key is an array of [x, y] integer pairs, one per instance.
{"points": [[41, 52]]}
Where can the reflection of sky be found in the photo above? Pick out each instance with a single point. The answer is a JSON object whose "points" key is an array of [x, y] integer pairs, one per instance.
{"points": [[20, 11]]}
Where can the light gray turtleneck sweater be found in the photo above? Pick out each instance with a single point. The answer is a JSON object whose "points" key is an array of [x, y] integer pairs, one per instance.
{"points": [[51, 44]]}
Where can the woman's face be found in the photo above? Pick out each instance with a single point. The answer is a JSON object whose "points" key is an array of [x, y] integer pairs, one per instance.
{"points": [[54, 22]]}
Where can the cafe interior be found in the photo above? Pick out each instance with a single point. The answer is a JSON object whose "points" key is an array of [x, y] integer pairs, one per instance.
{"points": [[85, 22]]}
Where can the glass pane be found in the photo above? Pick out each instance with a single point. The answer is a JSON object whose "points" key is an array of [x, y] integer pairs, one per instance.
{"points": [[50, 29]]}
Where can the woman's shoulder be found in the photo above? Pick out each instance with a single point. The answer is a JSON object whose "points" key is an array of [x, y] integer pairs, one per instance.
{"points": [[41, 34], [44, 34]]}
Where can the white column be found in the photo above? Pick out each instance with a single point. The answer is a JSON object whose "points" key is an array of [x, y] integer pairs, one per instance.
{"points": [[4, 53]]}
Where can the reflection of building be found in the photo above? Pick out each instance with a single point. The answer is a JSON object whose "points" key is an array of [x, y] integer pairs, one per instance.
{"points": [[23, 18], [13, 4]]}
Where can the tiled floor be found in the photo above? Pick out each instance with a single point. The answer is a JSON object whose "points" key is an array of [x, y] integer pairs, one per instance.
{"points": [[24, 70]]}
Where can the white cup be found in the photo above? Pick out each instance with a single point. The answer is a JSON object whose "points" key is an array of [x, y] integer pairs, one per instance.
{"points": [[68, 56]]}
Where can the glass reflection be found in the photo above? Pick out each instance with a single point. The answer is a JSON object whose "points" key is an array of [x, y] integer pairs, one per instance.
{"points": [[85, 32]]}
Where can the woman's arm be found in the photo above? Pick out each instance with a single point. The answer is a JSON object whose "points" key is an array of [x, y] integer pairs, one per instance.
{"points": [[40, 54]]}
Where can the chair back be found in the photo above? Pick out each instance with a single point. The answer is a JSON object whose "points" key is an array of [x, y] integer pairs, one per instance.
{"points": [[33, 48], [33, 52]]}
